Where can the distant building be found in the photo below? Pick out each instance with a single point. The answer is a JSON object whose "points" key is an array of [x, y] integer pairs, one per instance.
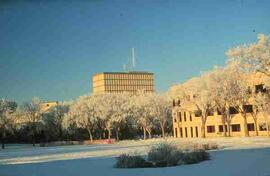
{"points": [[44, 107], [117, 82], [47, 105]]}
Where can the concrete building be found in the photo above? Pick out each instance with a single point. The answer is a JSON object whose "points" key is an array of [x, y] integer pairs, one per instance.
{"points": [[44, 107], [187, 122], [47, 105], [117, 82]]}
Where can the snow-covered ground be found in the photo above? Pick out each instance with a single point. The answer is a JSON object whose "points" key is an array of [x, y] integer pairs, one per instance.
{"points": [[238, 156]]}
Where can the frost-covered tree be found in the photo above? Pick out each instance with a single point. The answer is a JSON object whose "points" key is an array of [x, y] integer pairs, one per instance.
{"points": [[224, 85], [220, 94], [83, 113], [199, 95], [254, 57], [161, 110], [240, 91], [261, 104], [256, 108], [121, 110], [54, 118], [32, 114], [105, 111], [6, 118], [141, 105]]}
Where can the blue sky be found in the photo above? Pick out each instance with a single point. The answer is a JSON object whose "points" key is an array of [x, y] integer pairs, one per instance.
{"points": [[51, 49]]}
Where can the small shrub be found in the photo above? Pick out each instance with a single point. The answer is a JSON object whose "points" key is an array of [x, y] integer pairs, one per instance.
{"points": [[213, 146], [164, 155], [195, 157], [207, 146], [129, 161]]}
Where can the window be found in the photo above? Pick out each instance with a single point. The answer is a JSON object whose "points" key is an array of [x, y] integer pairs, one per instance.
{"points": [[196, 131], [211, 129], [185, 117], [233, 110], [180, 116], [181, 132], [190, 116], [198, 113], [191, 131], [260, 88], [262, 127], [186, 131], [175, 120], [219, 112], [236, 127], [250, 127], [248, 108], [176, 135], [220, 128], [210, 113]]}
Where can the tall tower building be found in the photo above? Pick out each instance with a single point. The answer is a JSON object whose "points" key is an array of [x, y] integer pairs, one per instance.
{"points": [[117, 82]]}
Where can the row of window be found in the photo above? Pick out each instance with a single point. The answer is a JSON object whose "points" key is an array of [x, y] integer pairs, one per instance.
{"points": [[122, 91], [184, 132], [236, 128], [247, 109], [211, 129], [128, 76], [128, 88], [129, 82], [183, 116]]}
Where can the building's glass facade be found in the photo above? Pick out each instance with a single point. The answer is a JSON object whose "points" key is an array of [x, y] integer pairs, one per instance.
{"points": [[117, 82]]}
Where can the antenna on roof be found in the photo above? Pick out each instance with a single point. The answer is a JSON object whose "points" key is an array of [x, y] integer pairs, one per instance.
{"points": [[124, 67], [130, 66], [133, 58]]}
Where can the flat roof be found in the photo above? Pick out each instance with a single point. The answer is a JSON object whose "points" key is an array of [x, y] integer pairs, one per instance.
{"points": [[46, 102], [131, 72]]}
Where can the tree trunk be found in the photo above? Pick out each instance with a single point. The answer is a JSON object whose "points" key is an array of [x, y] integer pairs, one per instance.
{"points": [[144, 133], [267, 128], [267, 124], [203, 129], [109, 133], [34, 137], [90, 135], [117, 134], [149, 133], [100, 134], [245, 125], [3, 138], [33, 141], [256, 126], [60, 133], [162, 130], [229, 128], [224, 125], [104, 134], [3, 143]]}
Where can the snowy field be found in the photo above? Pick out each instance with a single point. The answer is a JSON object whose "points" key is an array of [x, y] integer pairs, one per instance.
{"points": [[237, 156]]}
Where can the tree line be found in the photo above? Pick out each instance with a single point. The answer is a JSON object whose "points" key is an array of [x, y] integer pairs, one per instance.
{"points": [[94, 116]]}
